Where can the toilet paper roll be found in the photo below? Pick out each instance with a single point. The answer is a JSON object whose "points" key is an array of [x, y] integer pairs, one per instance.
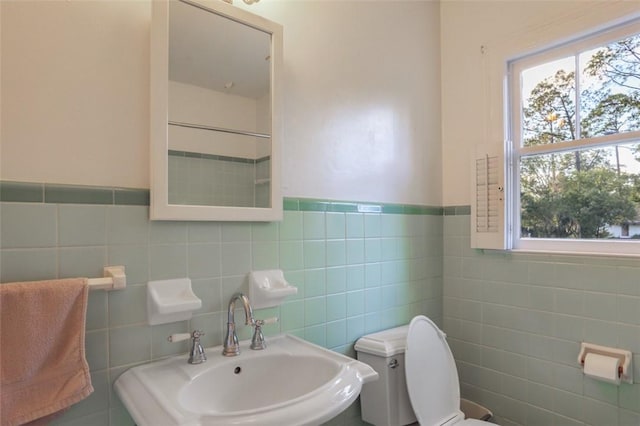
{"points": [[602, 367]]}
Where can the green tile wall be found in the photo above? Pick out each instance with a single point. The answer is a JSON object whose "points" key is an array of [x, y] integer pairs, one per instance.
{"points": [[356, 272], [515, 323]]}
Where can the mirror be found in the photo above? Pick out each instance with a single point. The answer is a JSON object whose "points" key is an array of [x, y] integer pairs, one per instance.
{"points": [[214, 113]]}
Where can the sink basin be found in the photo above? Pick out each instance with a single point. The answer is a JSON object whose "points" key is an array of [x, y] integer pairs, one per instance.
{"points": [[291, 382]]}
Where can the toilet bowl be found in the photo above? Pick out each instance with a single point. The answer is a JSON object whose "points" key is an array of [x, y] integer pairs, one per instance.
{"points": [[432, 376], [418, 378]]}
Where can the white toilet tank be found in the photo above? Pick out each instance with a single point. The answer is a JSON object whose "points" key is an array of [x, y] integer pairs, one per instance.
{"points": [[385, 402]]}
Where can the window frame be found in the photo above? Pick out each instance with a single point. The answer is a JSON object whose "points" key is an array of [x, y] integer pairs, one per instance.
{"points": [[515, 149]]}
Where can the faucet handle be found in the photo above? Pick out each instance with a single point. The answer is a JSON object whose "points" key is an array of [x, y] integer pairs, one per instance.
{"points": [[179, 337], [196, 353], [257, 341], [271, 320]]}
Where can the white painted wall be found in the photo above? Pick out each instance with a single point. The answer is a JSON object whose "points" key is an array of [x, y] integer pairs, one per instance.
{"points": [[472, 82], [361, 86], [75, 92]]}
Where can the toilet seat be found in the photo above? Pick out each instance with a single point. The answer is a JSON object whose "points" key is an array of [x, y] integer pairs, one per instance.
{"points": [[432, 377]]}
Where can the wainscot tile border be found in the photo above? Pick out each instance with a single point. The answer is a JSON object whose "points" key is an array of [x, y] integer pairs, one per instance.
{"points": [[27, 192]]}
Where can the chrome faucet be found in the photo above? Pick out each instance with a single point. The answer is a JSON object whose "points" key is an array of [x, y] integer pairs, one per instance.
{"points": [[231, 346], [196, 353]]}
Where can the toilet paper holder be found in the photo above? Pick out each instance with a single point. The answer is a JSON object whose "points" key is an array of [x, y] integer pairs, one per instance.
{"points": [[625, 370]]}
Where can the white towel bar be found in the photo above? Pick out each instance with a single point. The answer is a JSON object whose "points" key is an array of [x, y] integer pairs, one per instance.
{"points": [[114, 279]]}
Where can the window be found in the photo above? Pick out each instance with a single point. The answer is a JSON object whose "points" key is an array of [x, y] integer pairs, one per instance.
{"points": [[574, 155]]}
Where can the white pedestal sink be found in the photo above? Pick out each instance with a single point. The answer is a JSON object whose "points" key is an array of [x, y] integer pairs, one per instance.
{"points": [[291, 382]]}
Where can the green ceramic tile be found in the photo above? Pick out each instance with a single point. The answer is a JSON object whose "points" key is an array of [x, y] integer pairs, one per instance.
{"points": [[96, 349], [371, 225], [355, 303], [26, 225], [214, 326], [372, 300], [629, 398], [81, 262], [628, 309], [131, 197], [355, 277], [355, 251], [97, 314], [121, 302], [463, 210], [355, 328], [292, 315], [336, 333], [388, 249], [128, 345], [21, 192], [412, 209], [314, 225], [449, 210], [209, 290], [28, 265], [167, 232], [81, 225], [372, 250], [316, 334], [296, 279], [372, 322], [336, 306], [264, 255], [314, 282], [335, 225], [235, 258], [372, 275], [434, 211], [314, 254], [315, 311], [236, 232], [204, 232], [264, 231], [392, 208], [336, 281], [135, 259], [354, 225], [204, 260], [161, 347], [313, 205], [291, 227], [290, 204], [336, 252], [291, 255], [343, 207], [77, 194], [127, 225], [167, 261]]}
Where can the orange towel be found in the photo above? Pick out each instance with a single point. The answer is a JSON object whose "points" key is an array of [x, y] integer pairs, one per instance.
{"points": [[42, 362]]}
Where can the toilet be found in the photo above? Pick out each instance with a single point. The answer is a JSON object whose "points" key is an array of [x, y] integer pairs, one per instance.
{"points": [[418, 378]]}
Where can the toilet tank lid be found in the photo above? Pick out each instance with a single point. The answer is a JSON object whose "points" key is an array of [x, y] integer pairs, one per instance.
{"points": [[384, 343]]}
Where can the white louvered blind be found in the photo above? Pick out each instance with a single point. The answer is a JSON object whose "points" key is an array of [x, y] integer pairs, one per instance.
{"points": [[487, 209]]}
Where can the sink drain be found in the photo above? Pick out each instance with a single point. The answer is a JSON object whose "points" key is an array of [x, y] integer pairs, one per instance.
{"points": [[237, 370]]}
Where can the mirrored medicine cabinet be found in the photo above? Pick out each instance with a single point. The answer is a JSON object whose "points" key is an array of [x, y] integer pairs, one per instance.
{"points": [[215, 115]]}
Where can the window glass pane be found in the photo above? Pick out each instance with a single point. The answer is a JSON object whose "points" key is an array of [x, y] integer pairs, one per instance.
{"points": [[548, 102], [610, 88], [590, 194]]}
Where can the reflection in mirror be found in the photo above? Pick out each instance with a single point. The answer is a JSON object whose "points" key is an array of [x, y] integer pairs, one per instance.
{"points": [[219, 110]]}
